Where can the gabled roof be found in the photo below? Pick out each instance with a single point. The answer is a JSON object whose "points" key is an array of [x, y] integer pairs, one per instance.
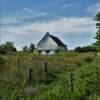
{"points": [[56, 39]]}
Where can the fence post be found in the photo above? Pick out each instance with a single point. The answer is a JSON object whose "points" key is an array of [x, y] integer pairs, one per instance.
{"points": [[71, 82], [30, 76], [1, 98], [45, 72], [46, 67], [18, 62]]}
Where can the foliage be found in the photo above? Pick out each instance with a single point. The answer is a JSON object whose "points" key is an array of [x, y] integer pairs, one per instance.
{"points": [[2, 60], [97, 44], [7, 47], [14, 82], [25, 48], [30, 48], [89, 80], [85, 49]]}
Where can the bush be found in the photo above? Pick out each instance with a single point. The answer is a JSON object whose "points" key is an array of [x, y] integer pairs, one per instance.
{"points": [[85, 49], [7, 47], [78, 49], [88, 80], [2, 50], [2, 60]]}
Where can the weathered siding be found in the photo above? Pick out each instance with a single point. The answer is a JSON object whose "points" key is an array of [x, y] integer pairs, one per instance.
{"points": [[50, 44], [47, 44], [60, 48]]}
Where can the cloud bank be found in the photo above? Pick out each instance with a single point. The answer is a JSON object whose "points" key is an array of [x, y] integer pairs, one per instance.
{"points": [[24, 14], [94, 8], [61, 25]]}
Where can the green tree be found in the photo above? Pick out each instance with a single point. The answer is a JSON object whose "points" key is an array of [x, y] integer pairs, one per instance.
{"points": [[2, 49], [7, 47], [31, 47], [85, 49], [25, 48], [78, 49], [97, 44]]}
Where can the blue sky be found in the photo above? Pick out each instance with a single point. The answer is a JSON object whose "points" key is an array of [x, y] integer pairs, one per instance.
{"points": [[27, 21]]}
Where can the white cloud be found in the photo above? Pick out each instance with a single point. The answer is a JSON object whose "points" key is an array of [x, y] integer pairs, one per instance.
{"points": [[24, 14], [62, 25], [27, 10], [65, 6], [35, 13], [9, 20], [94, 8]]}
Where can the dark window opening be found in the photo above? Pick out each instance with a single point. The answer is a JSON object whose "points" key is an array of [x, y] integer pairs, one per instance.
{"points": [[47, 51], [40, 51]]}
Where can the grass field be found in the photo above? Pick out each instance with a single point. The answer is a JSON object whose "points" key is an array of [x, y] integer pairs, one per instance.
{"points": [[69, 76]]}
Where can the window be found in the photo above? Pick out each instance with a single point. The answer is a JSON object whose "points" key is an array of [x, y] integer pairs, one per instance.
{"points": [[40, 51], [47, 51]]}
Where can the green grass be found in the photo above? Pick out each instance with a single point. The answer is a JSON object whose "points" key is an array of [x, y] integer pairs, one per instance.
{"points": [[84, 66]]}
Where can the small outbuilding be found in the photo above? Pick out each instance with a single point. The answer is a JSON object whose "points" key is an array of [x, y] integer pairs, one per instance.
{"points": [[50, 44]]}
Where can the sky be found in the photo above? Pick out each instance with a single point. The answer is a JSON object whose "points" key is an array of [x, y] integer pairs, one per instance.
{"points": [[27, 21]]}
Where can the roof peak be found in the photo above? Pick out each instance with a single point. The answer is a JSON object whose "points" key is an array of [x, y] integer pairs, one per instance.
{"points": [[48, 33], [56, 39]]}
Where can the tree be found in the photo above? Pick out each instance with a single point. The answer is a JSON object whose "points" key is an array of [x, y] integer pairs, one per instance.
{"points": [[25, 48], [7, 47], [31, 47], [78, 49], [85, 49], [2, 49], [97, 44]]}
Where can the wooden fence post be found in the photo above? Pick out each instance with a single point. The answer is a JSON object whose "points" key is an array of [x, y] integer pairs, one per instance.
{"points": [[71, 82], [45, 72], [46, 67], [18, 63], [30, 76], [1, 98]]}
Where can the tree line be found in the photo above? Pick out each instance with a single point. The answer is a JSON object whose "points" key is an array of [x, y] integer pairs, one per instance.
{"points": [[9, 47]]}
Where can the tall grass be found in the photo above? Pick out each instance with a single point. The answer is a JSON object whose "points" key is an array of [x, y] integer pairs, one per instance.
{"points": [[14, 79]]}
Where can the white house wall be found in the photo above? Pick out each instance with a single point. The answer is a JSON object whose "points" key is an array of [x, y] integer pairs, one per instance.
{"points": [[47, 44], [60, 48]]}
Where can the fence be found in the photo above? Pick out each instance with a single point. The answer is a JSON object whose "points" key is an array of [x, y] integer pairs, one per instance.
{"points": [[46, 79]]}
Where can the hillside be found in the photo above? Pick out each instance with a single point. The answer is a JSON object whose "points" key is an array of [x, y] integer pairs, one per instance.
{"points": [[63, 76]]}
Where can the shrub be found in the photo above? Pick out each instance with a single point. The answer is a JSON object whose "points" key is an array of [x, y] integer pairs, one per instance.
{"points": [[78, 49], [7, 47], [2, 60], [2, 50], [85, 49]]}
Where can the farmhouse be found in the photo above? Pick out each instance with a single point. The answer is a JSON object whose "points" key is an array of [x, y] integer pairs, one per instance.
{"points": [[50, 44]]}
